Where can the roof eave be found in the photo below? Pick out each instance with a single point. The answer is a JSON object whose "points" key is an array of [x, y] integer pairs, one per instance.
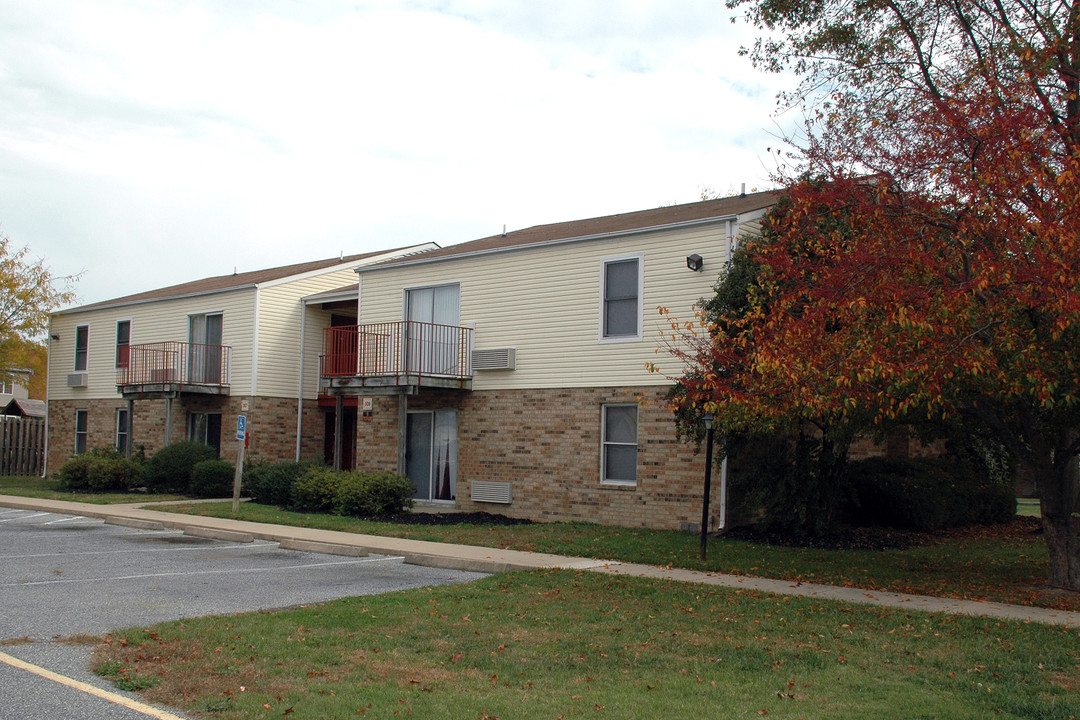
{"points": [[420, 260]]}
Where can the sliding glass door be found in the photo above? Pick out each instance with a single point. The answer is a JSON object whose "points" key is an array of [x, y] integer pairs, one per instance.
{"points": [[431, 453]]}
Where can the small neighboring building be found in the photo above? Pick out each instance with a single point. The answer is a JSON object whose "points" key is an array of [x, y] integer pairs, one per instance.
{"points": [[141, 371], [508, 374], [14, 385], [24, 407]]}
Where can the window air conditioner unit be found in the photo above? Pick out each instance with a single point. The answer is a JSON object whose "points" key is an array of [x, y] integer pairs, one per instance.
{"points": [[491, 492], [498, 359], [77, 379]]}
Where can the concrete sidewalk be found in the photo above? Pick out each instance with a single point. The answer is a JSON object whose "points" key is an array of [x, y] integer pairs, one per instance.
{"points": [[482, 559]]}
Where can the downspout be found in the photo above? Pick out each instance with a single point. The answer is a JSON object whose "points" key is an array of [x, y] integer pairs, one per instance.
{"points": [[300, 389], [723, 495], [48, 375], [255, 347]]}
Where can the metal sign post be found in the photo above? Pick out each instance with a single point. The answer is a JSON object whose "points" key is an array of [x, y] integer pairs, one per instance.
{"points": [[241, 436]]}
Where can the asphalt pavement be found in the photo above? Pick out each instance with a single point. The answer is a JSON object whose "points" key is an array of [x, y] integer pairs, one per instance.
{"points": [[67, 575]]}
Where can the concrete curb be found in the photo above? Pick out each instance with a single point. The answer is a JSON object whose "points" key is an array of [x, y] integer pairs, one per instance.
{"points": [[218, 534], [135, 523], [322, 547]]}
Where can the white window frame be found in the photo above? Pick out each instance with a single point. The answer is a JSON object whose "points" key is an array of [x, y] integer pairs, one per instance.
{"points": [[604, 443], [86, 358], [639, 335], [122, 430], [85, 433]]}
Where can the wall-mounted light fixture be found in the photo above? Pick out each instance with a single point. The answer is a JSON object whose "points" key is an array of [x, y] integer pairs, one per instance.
{"points": [[694, 262], [54, 336]]}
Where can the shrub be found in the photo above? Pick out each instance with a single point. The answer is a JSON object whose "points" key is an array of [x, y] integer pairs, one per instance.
{"points": [[373, 493], [316, 490], [212, 479], [928, 494], [99, 470], [271, 483], [169, 470]]}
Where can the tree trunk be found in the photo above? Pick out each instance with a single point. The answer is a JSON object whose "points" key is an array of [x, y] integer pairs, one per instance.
{"points": [[1060, 505], [1062, 533]]}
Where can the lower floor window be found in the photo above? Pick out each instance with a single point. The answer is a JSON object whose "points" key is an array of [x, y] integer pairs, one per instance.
{"points": [[80, 431], [122, 438], [619, 457], [205, 428]]}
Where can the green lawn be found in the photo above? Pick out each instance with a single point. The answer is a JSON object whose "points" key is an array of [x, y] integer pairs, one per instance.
{"points": [[50, 490], [561, 644], [1004, 566]]}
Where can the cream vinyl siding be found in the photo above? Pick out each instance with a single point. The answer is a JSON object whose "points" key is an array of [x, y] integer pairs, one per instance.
{"points": [[157, 321], [280, 309], [546, 303]]}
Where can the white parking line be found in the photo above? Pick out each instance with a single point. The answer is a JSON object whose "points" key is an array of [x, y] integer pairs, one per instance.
{"points": [[205, 572], [112, 697], [257, 545], [69, 519], [25, 517]]}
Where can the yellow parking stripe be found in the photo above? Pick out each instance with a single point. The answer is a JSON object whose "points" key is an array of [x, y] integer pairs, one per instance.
{"points": [[89, 689]]}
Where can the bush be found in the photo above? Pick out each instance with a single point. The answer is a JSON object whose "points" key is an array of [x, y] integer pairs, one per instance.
{"points": [[373, 493], [316, 490], [271, 483], [99, 470], [928, 494], [169, 470], [212, 479]]}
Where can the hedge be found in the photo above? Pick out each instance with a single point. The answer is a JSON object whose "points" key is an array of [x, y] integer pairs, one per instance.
{"points": [[169, 470], [927, 494]]}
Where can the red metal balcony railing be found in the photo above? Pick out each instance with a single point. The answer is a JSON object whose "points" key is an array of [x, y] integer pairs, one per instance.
{"points": [[176, 363], [406, 348]]}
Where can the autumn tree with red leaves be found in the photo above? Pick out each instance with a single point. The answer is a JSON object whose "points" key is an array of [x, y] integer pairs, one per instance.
{"points": [[946, 136]]}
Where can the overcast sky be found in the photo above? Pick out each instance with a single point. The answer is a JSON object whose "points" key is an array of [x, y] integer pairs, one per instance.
{"points": [[148, 143]]}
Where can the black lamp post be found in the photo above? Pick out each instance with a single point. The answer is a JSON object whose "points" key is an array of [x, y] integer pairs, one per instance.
{"points": [[707, 420]]}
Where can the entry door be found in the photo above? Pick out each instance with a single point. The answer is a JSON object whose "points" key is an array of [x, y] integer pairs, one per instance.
{"points": [[431, 453], [204, 334], [431, 348]]}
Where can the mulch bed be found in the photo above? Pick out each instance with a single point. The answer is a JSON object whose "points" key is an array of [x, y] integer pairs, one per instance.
{"points": [[431, 518]]}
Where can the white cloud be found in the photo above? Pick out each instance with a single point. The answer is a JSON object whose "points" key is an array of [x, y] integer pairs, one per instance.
{"points": [[195, 136]]}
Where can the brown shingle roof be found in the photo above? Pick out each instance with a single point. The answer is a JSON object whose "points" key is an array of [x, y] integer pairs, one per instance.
{"points": [[227, 282], [624, 222]]}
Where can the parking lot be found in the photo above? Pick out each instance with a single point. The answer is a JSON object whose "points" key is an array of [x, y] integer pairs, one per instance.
{"points": [[63, 576]]}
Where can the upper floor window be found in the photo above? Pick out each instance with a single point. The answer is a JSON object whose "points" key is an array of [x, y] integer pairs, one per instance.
{"points": [[82, 346], [7, 387], [621, 299], [123, 343]]}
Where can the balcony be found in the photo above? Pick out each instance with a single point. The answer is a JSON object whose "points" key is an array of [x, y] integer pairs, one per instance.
{"points": [[395, 357], [174, 367]]}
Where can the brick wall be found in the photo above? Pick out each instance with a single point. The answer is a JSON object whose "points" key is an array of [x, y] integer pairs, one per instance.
{"points": [[547, 443], [271, 421]]}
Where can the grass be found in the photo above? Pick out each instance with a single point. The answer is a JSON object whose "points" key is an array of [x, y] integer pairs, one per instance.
{"points": [[1028, 507], [562, 644], [1001, 565], [37, 487]]}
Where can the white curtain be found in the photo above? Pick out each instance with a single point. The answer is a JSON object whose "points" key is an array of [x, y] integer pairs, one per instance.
{"points": [[444, 450]]}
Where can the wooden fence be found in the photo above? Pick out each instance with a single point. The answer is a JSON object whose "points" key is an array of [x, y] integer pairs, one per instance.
{"points": [[22, 445]]}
